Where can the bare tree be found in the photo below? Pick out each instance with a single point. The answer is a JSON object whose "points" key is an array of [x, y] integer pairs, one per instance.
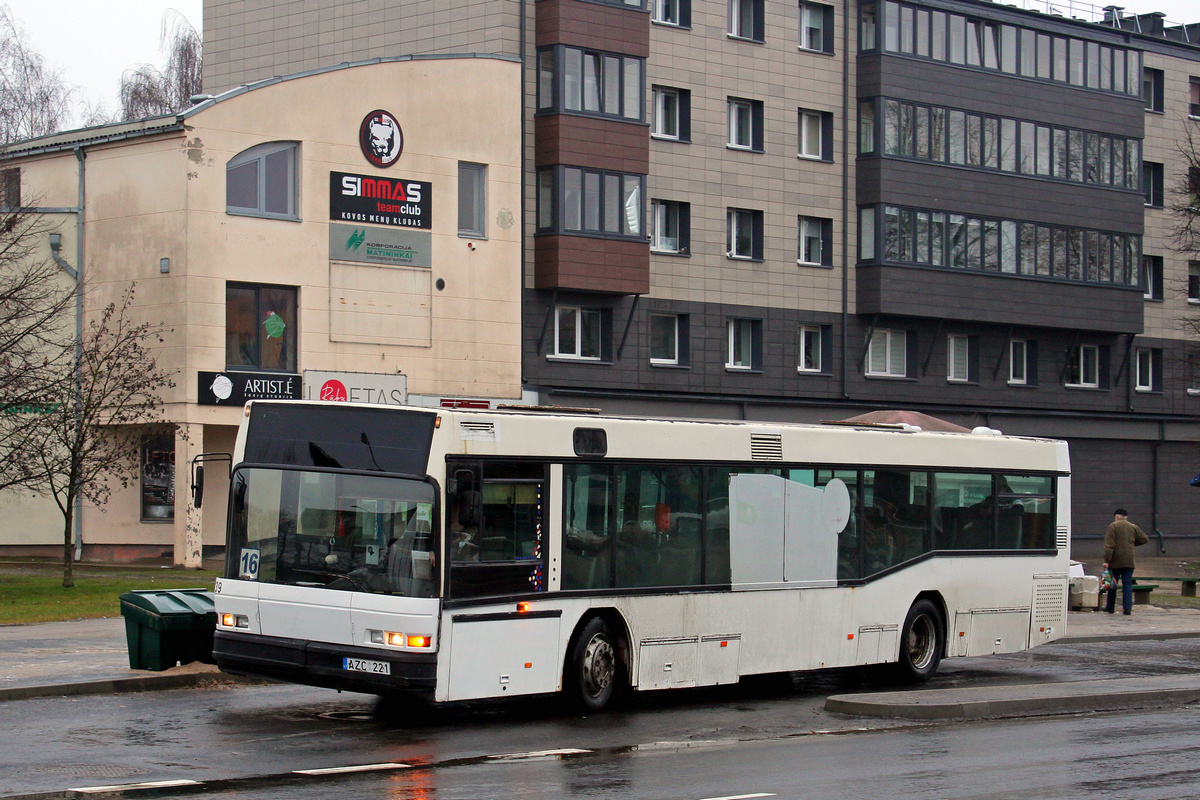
{"points": [[1185, 193], [34, 99], [36, 340], [102, 413], [147, 91]]}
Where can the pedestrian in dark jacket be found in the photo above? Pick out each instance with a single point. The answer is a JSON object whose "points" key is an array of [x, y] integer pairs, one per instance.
{"points": [[1120, 539]]}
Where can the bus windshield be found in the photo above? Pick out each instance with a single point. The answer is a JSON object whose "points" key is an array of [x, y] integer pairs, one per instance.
{"points": [[333, 530]]}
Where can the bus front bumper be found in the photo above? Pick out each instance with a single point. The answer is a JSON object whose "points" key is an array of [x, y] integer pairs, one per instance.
{"points": [[322, 664]]}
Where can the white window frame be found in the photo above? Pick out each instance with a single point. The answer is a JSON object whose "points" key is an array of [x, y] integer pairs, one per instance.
{"points": [[1015, 345], [671, 320], [1144, 359], [580, 318], [810, 142], [258, 156], [810, 229], [735, 218], [476, 226], [958, 358], [741, 132], [665, 97], [1086, 356], [811, 343], [887, 354], [739, 9], [1152, 275], [740, 342], [664, 214], [809, 12], [667, 12]]}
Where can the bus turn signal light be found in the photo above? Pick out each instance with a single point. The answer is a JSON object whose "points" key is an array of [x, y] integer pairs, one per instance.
{"points": [[418, 641], [522, 608]]}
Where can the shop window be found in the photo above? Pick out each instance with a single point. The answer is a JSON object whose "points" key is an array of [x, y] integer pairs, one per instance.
{"points": [[261, 181], [260, 327], [158, 478]]}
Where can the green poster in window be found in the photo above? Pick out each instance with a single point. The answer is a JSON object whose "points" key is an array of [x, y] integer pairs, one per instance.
{"points": [[274, 326]]}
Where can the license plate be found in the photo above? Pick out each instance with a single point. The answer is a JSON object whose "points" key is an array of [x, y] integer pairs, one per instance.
{"points": [[363, 665]]}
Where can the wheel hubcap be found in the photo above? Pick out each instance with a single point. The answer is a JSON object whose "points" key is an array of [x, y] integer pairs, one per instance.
{"points": [[599, 665], [922, 642]]}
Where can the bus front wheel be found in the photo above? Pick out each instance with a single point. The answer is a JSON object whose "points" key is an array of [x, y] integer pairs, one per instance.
{"points": [[592, 671], [921, 643]]}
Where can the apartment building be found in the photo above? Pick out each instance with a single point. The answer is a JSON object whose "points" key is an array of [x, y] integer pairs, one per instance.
{"points": [[805, 211]]}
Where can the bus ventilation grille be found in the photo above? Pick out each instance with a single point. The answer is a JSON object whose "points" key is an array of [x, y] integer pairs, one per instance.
{"points": [[1064, 540], [766, 446], [469, 429], [1049, 602]]}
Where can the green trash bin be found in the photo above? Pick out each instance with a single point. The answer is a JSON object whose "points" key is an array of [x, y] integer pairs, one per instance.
{"points": [[169, 626]]}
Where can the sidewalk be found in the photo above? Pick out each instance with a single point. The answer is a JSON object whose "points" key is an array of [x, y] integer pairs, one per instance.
{"points": [[90, 657]]}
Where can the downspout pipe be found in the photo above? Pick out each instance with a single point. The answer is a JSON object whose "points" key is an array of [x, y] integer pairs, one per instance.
{"points": [[845, 197], [76, 274]]}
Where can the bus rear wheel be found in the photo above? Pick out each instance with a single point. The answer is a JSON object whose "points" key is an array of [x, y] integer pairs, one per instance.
{"points": [[592, 671], [921, 643]]}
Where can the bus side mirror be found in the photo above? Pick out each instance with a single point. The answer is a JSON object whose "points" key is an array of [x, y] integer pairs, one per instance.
{"points": [[198, 485]]}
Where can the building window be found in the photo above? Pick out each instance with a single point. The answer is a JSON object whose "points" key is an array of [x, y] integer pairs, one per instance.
{"points": [[261, 181], [866, 127], [1152, 183], [745, 344], [672, 114], [1149, 369], [1193, 285], [866, 233], [10, 188], [671, 231], [1152, 277], [260, 327], [1194, 97], [744, 234], [887, 354], [815, 241], [590, 82], [577, 332], [1152, 88], [672, 12], [816, 135], [1018, 362], [1083, 366], [746, 19], [815, 342], [158, 478], [472, 199], [816, 27], [668, 340], [746, 124], [590, 202], [961, 358]]}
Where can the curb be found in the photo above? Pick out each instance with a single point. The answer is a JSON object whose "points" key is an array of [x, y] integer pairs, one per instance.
{"points": [[1019, 700], [136, 683]]}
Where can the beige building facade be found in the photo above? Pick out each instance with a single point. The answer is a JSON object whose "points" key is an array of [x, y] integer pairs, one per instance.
{"points": [[344, 233]]}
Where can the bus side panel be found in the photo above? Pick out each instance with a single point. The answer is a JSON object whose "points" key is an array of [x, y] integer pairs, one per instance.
{"points": [[489, 657]]}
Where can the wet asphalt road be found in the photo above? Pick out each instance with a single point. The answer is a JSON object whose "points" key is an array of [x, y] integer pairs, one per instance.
{"points": [[753, 738]]}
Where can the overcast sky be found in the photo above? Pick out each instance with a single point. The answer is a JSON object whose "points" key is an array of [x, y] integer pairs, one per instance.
{"points": [[93, 41]]}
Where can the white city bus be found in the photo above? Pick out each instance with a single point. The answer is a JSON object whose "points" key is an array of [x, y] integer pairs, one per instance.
{"points": [[457, 554]]}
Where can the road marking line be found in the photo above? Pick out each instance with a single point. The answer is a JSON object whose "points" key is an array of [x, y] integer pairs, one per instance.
{"points": [[566, 751], [742, 796], [359, 768], [128, 786]]}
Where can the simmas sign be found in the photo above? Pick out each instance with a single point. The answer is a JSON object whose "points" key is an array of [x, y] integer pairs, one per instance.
{"points": [[374, 200]]}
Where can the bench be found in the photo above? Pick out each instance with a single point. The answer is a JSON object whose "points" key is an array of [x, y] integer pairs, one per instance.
{"points": [[1141, 592], [1187, 586]]}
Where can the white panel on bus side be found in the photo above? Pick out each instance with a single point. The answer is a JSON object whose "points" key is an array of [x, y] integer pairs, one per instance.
{"points": [[497, 658], [757, 520], [995, 631], [718, 660], [810, 550], [667, 663], [877, 644], [780, 531]]}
